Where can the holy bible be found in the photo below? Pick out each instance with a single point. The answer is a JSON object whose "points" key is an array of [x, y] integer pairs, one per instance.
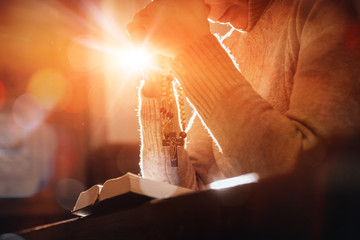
{"points": [[123, 192]]}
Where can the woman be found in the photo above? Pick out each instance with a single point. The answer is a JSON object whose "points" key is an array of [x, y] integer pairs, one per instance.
{"points": [[284, 93]]}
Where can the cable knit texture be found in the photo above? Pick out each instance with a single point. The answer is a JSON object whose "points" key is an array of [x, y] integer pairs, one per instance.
{"points": [[295, 96], [255, 9]]}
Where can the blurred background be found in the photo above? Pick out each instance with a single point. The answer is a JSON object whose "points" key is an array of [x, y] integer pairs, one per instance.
{"points": [[68, 100]]}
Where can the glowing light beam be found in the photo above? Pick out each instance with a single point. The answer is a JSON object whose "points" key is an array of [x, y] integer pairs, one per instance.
{"points": [[235, 181]]}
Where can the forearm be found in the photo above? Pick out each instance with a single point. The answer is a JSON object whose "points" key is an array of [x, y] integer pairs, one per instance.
{"points": [[155, 158], [252, 135]]}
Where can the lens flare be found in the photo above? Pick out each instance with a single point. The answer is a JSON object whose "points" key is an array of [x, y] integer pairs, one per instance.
{"points": [[67, 191], [83, 54], [28, 112], [48, 86], [135, 59]]}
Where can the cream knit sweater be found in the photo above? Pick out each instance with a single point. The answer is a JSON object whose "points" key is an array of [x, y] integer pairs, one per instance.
{"points": [[292, 93]]}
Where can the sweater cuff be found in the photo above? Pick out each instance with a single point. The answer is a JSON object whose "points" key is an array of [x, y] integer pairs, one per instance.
{"points": [[207, 73], [150, 108]]}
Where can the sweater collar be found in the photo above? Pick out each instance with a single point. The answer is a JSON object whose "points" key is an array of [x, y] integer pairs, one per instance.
{"points": [[255, 10]]}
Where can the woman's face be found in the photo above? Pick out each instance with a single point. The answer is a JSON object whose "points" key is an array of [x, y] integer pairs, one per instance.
{"points": [[226, 11]]}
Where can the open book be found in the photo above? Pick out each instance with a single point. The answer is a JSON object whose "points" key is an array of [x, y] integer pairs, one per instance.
{"points": [[126, 191]]}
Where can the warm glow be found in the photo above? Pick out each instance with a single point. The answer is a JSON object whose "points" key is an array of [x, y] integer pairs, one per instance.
{"points": [[136, 58], [96, 106], [83, 54], [57, 59], [77, 96], [131, 59], [48, 86], [87, 54], [231, 182]]}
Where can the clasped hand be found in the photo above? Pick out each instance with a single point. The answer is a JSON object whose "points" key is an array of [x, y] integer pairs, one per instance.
{"points": [[167, 26]]}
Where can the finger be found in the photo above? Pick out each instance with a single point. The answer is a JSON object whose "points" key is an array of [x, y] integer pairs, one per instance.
{"points": [[208, 9], [142, 14]]}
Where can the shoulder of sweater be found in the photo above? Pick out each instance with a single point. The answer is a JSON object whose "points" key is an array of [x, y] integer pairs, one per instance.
{"points": [[325, 13], [302, 12]]}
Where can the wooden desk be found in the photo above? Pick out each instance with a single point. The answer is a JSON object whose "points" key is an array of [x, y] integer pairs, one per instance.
{"points": [[307, 205]]}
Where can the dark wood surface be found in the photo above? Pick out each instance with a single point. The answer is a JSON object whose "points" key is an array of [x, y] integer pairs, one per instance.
{"points": [[316, 204]]}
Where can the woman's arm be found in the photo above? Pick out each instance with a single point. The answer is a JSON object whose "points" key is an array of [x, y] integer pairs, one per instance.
{"points": [[324, 105]]}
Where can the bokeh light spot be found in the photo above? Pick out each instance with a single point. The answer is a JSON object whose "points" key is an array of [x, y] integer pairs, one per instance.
{"points": [[3, 95], [10, 236], [49, 87], [28, 112], [67, 191]]}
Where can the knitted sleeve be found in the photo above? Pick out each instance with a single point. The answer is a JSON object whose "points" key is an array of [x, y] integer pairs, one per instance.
{"points": [[155, 159], [324, 107]]}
